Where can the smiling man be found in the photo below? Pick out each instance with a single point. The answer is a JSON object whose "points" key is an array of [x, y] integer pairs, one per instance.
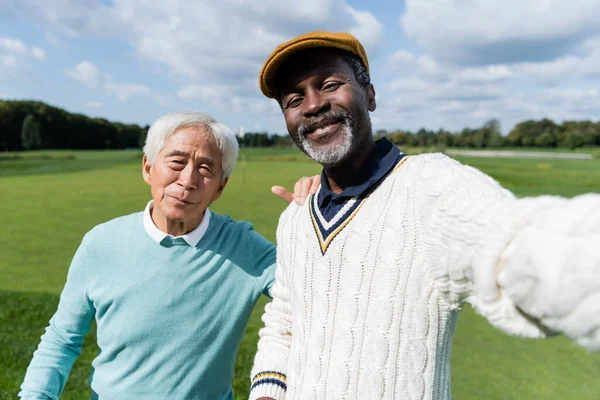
{"points": [[171, 288], [374, 267]]}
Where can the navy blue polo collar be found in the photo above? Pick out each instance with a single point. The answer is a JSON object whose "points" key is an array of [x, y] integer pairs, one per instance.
{"points": [[381, 160]]}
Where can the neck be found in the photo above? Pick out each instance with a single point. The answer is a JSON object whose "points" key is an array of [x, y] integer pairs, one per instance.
{"points": [[175, 228], [344, 174]]}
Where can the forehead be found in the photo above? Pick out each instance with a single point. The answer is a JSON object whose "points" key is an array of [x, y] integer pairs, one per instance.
{"points": [[317, 62], [192, 138]]}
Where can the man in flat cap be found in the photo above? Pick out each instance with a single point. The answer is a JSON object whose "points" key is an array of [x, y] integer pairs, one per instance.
{"points": [[374, 267]]}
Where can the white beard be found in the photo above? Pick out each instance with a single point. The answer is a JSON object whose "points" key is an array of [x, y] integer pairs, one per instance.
{"points": [[332, 154]]}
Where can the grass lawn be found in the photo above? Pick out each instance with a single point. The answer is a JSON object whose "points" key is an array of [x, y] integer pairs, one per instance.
{"points": [[48, 203]]}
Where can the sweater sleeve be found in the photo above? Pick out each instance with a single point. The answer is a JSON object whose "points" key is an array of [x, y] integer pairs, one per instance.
{"points": [[268, 377], [263, 256], [61, 344], [531, 266]]}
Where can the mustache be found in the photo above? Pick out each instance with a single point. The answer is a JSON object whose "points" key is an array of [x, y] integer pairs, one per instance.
{"points": [[323, 119]]}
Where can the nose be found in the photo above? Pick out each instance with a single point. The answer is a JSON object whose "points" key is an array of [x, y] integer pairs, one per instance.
{"points": [[315, 102], [188, 177]]}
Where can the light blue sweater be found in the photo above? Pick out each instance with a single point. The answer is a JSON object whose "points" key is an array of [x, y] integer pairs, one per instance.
{"points": [[170, 317]]}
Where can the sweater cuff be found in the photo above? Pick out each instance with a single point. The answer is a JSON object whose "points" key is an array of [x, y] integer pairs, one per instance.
{"points": [[271, 384]]}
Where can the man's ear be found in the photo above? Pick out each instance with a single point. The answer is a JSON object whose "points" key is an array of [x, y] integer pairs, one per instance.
{"points": [[371, 103], [146, 170], [220, 190]]}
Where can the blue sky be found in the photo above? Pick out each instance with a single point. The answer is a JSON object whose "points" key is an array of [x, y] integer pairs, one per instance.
{"points": [[434, 63]]}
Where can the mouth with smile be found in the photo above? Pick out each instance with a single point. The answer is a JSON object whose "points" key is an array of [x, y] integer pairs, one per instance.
{"points": [[324, 131], [321, 129]]}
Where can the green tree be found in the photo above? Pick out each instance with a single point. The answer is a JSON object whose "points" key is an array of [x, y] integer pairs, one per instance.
{"points": [[142, 136], [546, 139], [574, 138], [31, 133], [443, 139], [402, 138], [493, 134]]}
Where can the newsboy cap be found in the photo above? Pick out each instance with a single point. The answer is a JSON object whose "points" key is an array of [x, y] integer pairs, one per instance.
{"points": [[338, 40]]}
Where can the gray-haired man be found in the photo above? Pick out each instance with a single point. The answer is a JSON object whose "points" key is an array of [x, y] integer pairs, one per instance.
{"points": [[170, 288]]}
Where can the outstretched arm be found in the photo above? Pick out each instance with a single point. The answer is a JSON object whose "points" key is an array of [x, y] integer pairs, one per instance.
{"points": [[551, 269], [531, 266], [61, 344]]}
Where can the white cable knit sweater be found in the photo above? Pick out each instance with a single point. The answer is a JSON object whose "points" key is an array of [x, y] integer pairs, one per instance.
{"points": [[372, 317]]}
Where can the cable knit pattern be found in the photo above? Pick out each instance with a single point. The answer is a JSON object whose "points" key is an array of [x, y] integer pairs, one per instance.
{"points": [[373, 317]]}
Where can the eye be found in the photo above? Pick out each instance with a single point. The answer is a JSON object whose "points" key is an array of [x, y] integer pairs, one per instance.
{"points": [[206, 169], [294, 102], [176, 164], [331, 86]]}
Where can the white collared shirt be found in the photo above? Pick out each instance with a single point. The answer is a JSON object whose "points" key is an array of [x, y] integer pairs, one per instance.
{"points": [[192, 238]]}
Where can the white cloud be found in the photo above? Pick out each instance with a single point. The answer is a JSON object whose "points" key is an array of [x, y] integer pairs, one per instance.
{"points": [[497, 31], [203, 46], [584, 64], [407, 63], [72, 17], [124, 91], [415, 89], [235, 36], [455, 106], [17, 47], [454, 96], [8, 61], [488, 73], [14, 56], [437, 89], [88, 74], [225, 96], [91, 76], [470, 97], [206, 93], [39, 53], [11, 45], [230, 42], [478, 59], [572, 100]]}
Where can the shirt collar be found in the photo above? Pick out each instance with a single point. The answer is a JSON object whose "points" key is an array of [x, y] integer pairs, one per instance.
{"points": [[381, 160], [192, 238]]}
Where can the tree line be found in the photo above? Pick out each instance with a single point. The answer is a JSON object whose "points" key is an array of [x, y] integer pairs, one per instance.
{"points": [[31, 125], [543, 133]]}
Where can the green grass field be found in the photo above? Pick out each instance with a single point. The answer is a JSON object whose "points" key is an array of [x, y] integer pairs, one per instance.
{"points": [[49, 200]]}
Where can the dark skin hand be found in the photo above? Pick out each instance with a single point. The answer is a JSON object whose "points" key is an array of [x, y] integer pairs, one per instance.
{"points": [[302, 188]]}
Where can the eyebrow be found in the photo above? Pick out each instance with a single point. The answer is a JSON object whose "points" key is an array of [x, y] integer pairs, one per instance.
{"points": [[179, 153]]}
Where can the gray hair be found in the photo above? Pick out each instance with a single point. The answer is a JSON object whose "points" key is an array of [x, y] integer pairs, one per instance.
{"points": [[168, 124], [359, 69]]}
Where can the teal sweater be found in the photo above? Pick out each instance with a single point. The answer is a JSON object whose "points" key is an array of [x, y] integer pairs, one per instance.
{"points": [[169, 317]]}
